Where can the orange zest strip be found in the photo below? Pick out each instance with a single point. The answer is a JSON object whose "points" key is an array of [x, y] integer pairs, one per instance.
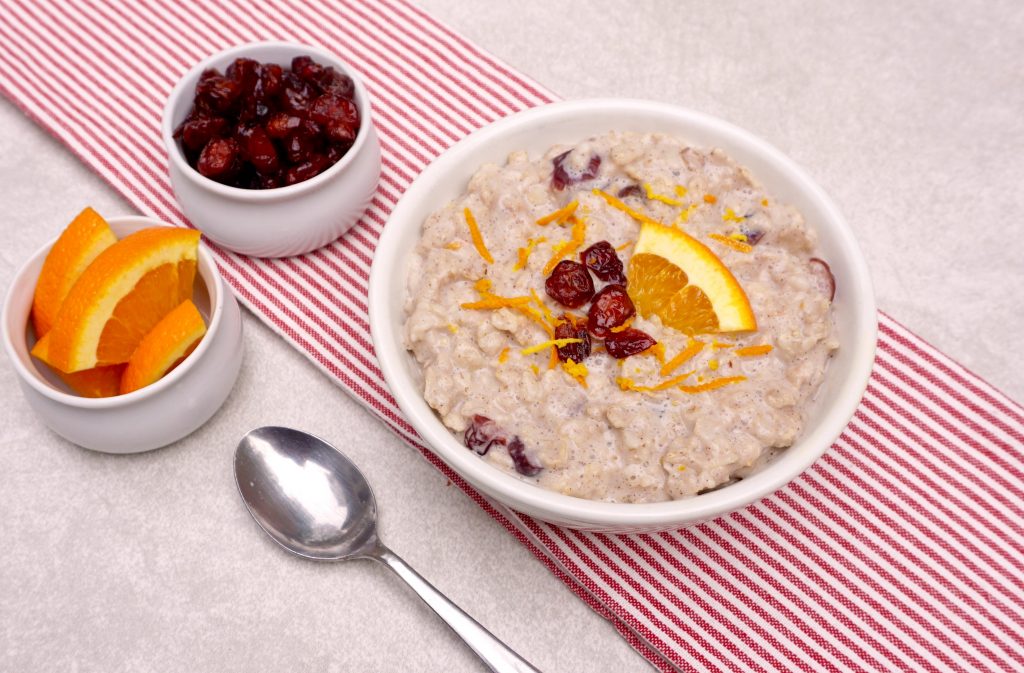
{"points": [[739, 246], [680, 190], [710, 198], [692, 348], [557, 343], [654, 196], [524, 253], [454, 245], [503, 355], [553, 360], [627, 384], [684, 215], [478, 240], [625, 245], [577, 370], [718, 345], [536, 317], [492, 302], [560, 215], [579, 232], [543, 308], [619, 205], [713, 385], [730, 216], [751, 351]]}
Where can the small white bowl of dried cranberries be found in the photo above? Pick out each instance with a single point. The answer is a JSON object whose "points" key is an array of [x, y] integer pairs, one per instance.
{"points": [[272, 148]]}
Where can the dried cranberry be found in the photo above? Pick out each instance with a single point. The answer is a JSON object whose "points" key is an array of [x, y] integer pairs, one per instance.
{"points": [[220, 159], [573, 328], [245, 71], [823, 274], [339, 84], [334, 152], [199, 130], [268, 82], [298, 147], [561, 177], [570, 284], [331, 108], [602, 259], [753, 235], [218, 93], [308, 69], [309, 168], [631, 190], [297, 95], [482, 434], [611, 307], [524, 466], [281, 124], [261, 152], [342, 132], [272, 181], [627, 342]]}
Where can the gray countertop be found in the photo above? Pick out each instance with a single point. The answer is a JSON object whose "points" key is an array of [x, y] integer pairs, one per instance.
{"points": [[909, 115]]}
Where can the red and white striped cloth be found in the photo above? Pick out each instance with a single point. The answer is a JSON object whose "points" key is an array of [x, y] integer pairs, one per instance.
{"points": [[900, 550]]}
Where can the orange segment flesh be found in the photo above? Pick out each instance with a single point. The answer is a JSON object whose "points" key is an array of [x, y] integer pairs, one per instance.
{"points": [[127, 289], [95, 382], [676, 277], [79, 244], [169, 342]]}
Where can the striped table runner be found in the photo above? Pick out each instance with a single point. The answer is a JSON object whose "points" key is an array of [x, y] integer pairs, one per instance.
{"points": [[900, 550]]}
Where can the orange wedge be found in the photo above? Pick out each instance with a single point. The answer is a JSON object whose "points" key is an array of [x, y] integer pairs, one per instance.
{"points": [[169, 342], [79, 244], [118, 299], [676, 277], [95, 382]]}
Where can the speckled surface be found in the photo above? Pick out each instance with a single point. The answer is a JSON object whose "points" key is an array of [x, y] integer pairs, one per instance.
{"points": [[909, 116]]}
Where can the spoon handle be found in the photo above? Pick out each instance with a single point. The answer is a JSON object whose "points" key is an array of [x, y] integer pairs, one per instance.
{"points": [[496, 654]]}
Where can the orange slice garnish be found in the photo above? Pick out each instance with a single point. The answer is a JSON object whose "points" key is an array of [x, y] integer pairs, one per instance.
{"points": [[79, 244], [169, 342], [676, 277], [118, 299], [95, 382]]}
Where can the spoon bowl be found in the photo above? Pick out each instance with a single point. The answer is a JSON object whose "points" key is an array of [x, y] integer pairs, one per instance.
{"points": [[314, 502], [305, 494]]}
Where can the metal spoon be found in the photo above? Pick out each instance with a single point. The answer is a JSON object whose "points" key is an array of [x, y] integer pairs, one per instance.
{"points": [[316, 503]]}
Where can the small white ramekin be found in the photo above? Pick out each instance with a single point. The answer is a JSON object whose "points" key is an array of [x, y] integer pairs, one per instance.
{"points": [[287, 220], [151, 417], [569, 122]]}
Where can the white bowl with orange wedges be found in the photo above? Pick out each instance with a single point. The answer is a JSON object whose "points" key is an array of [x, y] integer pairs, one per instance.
{"points": [[150, 417]]}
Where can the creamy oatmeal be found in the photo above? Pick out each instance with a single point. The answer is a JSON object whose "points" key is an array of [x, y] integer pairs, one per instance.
{"points": [[685, 415]]}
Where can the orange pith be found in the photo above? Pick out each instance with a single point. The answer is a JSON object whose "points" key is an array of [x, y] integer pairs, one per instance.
{"points": [[169, 342], [78, 245], [126, 290], [677, 278]]}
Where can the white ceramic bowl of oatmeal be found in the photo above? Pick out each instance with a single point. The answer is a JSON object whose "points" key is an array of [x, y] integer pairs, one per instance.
{"points": [[541, 133]]}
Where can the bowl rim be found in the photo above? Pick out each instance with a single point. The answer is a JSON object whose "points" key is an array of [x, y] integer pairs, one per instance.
{"points": [[556, 506], [34, 379], [181, 88]]}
